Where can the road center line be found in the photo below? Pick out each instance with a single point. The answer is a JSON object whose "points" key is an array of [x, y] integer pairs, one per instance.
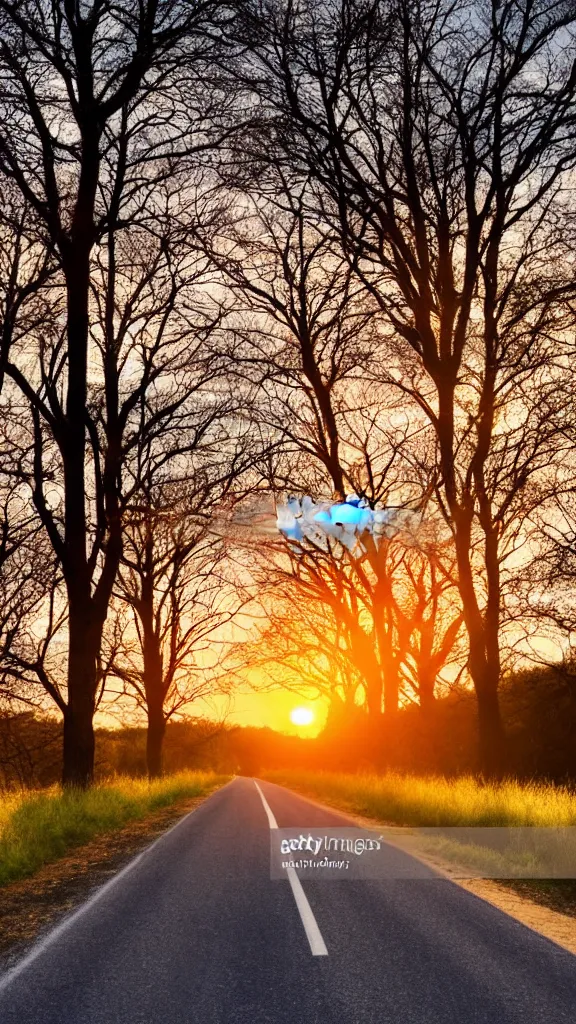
{"points": [[271, 819], [313, 933]]}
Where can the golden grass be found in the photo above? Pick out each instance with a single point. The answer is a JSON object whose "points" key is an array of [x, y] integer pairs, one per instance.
{"points": [[40, 826], [435, 801]]}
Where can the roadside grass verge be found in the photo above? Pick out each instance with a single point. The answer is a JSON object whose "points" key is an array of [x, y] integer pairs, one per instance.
{"points": [[435, 801], [38, 827]]}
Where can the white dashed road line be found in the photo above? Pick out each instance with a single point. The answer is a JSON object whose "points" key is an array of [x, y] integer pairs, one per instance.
{"points": [[313, 933]]}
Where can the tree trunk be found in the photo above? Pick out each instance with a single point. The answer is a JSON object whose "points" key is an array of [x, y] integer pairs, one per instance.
{"points": [[374, 694], [483, 630], [426, 686], [491, 738], [78, 753], [79, 745], [391, 692], [153, 668], [155, 740], [484, 654]]}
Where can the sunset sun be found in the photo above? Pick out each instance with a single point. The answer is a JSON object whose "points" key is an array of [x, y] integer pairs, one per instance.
{"points": [[301, 716]]}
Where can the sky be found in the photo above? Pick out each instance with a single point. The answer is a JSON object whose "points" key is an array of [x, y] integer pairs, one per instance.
{"points": [[248, 707], [273, 710]]}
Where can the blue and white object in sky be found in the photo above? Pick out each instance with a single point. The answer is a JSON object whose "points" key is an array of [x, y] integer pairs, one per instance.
{"points": [[345, 521]]}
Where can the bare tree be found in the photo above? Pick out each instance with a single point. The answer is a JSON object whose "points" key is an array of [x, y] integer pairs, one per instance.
{"points": [[173, 583], [298, 645], [149, 324], [310, 343], [173, 575], [302, 327], [376, 626], [445, 171], [97, 112]]}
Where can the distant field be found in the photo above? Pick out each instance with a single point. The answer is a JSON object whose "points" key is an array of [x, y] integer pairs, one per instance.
{"points": [[37, 828], [415, 800]]}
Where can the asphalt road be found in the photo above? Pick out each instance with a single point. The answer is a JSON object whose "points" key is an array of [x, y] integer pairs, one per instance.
{"points": [[195, 932]]}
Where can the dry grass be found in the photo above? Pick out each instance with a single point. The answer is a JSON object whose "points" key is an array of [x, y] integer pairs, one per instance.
{"points": [[435, 801], [37, 828]]}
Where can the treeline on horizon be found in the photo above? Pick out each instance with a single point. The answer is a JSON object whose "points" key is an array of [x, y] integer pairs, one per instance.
{"points": [[252, 249], [539, 711]]}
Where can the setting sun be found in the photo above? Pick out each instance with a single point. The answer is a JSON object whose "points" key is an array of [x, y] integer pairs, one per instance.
{"points": [[301, 716]]}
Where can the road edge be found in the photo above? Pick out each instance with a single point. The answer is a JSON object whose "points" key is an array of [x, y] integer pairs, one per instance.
{"points": [[18, 956]]}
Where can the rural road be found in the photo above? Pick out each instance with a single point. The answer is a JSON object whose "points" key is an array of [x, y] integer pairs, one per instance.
{"points": [[195, 932]]}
